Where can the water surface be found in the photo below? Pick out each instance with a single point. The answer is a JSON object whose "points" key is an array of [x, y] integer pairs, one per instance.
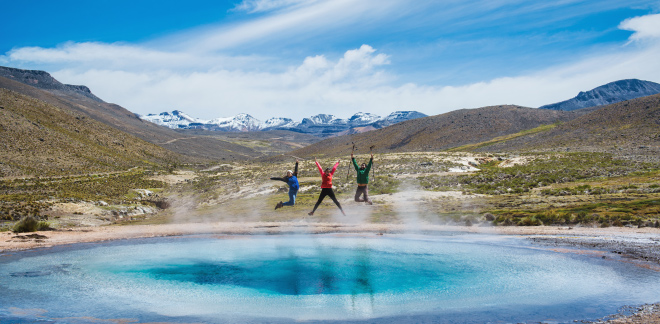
{"points": [[464, 278]]}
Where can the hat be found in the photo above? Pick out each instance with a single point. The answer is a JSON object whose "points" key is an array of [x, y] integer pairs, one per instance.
{"points": [[289, 171]]}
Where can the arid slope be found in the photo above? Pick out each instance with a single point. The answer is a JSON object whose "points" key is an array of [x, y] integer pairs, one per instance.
{"points": [[37, 138], [629, 128], [441, 132]]}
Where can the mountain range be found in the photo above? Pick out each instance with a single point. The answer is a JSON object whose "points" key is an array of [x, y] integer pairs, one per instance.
{"points": [[54, 128], [629, 128], [610, 93], [442, 132], [322, 125]]}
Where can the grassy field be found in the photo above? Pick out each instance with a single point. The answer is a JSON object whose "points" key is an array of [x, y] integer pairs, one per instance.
{"points": [[586, 189]]}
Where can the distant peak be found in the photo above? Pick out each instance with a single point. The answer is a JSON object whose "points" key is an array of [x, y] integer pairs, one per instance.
{"points": [[606, 94]]}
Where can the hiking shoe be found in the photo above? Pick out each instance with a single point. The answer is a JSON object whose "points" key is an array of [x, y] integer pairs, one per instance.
{"points": [[279, 205], [370, 202], [310, 213]]}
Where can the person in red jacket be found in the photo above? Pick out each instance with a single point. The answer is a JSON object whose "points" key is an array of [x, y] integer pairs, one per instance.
{"points": [[326, 186]]}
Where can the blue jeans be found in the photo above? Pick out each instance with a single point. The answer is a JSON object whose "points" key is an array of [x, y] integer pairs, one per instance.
{"points": [[292, 197]]}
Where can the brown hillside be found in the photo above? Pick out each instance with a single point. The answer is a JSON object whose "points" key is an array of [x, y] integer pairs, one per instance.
{"points": [[37, 138], [205, 147], [441, 132], [628, 127]]}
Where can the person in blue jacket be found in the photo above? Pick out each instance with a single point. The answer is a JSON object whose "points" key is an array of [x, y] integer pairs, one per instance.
{"points": [[291, 179]]}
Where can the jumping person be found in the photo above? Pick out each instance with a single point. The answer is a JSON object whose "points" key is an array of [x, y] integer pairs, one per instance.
{"points": [[291, 179], [326, 186], [362, 180]]}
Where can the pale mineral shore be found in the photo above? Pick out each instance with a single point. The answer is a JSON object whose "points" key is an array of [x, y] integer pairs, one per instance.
{"points": [[623, 235], [638, 245]]}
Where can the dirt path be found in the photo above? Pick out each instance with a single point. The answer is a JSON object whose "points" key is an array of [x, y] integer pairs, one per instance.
{"points": [[176, 139]]}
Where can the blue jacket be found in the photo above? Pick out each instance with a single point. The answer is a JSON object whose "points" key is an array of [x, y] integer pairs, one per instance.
{"points": [[292, 181]]}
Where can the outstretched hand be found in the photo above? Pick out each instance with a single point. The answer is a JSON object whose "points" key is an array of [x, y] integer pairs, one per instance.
{"points": [[372, 156], [351, 155]]}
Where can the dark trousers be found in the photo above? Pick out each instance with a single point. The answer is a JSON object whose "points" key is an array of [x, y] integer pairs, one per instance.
{"points": [[362, 190], [327, 192]]}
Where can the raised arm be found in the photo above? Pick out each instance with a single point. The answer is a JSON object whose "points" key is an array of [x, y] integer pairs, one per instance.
{"points": [[334, 168], [295, 170], [319, 166], [371, 161], [280, 179], [354, 163]]}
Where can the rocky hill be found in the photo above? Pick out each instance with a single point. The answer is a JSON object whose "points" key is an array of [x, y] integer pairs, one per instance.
{"points": [[38, 138], [43, 80], [441, 132], [322, 125], [607, 94], [628, 128]]}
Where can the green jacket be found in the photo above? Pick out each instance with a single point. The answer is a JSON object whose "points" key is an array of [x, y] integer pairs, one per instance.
{"points": [[362, 175]]}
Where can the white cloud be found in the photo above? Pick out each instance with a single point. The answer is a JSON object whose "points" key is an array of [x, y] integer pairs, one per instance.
{"points": [[644, 27], [301, 22], [124, 57], [316, 84], [347, 85], [205, 84], [256, 6]]}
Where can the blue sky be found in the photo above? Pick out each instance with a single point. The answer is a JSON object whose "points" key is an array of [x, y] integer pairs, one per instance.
{"points": [[297, 58]]}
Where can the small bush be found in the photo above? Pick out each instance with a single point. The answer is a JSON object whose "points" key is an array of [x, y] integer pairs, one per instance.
{"points": [[44, 226], [27, 224], [529, 221]]}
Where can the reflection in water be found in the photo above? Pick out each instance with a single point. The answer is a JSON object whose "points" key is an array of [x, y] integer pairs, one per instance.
{"points": [[363, 272]]}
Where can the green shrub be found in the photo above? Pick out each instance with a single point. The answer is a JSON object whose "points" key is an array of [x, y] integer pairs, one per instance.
{"points": [[44, 226], [27, 224], [529, 221]]}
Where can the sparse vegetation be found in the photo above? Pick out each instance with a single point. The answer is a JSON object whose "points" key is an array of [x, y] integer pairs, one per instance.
{"points": [[22, 200], [545, 170], [501, 139], [591, 189], [30, 224]]}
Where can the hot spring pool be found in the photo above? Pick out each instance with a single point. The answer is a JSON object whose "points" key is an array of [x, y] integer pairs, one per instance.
{"points": [[349, 278]]}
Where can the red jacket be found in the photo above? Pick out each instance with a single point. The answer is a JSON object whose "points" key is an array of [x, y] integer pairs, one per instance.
{"points": [[326, 177]]}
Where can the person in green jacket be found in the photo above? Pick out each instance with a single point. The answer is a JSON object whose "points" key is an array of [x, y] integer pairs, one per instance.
{"points": [[362, 180]]}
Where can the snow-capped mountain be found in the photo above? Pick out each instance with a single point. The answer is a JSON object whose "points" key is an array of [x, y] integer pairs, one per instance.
{"points": [[323, 119], [175, 119], [241, 122], [363, 119], [397, 117], [279, 122], [321, 125], [610, 93]]}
